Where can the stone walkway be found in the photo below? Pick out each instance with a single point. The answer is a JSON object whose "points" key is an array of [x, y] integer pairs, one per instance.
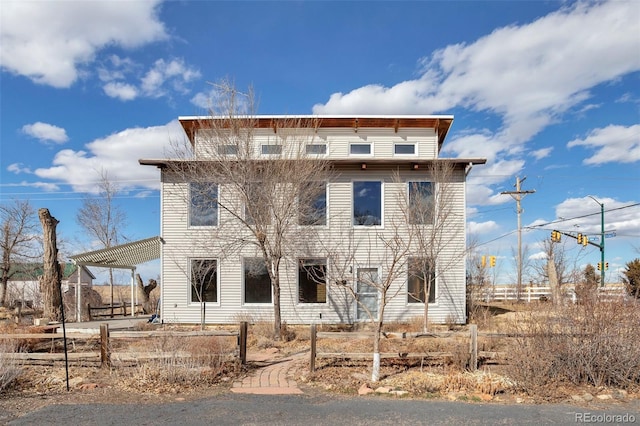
{"points": [[271, 379]]}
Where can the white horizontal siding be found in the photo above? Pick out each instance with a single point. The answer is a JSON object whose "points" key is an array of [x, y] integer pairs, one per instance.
{"points": [[339, 238]]}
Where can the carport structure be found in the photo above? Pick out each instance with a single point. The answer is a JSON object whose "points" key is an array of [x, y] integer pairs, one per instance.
{"points": [[124, 256]]}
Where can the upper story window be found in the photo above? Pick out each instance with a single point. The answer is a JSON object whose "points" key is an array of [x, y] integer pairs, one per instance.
{"points": [[312, 281], [228, 149], [204, 280], [257, 204], [271, 149], [312, 201], [421, 203], [203, 205], [316, 149], [422, 277], [360, 149], [367, 203], [404, 149]]}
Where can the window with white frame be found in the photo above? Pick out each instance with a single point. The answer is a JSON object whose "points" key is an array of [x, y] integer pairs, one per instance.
{"points": [[421, 278], [228, 149], [271, 149], [404, 149], [312, 200], [316, 149], [204, 280], [257, 205], [367, 203], [203, 204], [312, 280], [360, 149], [421, 203], [257, 284]]}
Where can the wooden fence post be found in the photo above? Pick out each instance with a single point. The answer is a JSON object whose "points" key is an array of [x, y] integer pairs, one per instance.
{"points": [[473, 347], [242, 343], [89, 311], [105, 353], [312, 364], [124, 309]]}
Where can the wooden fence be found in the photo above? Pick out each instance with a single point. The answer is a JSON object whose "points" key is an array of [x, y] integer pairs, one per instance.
{"points": [[105, 356], [472, 336], [111, 311]]}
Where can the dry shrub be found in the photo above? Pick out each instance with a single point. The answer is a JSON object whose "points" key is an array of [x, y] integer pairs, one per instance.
{"points": [[10, 369], [594, 343], [188, 361], [482, 382]]}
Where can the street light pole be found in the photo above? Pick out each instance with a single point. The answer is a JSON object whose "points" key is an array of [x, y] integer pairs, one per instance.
{"points": [[602, 264]]}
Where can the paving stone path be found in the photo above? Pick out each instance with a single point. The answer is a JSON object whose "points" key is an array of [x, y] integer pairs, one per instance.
{"points": [[273, 378]]}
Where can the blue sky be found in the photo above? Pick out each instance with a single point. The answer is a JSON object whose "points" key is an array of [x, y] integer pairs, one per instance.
{"points": [[545, 90]]}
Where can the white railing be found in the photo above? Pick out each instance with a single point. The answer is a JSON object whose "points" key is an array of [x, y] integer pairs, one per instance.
{"points": [[503, 293]]}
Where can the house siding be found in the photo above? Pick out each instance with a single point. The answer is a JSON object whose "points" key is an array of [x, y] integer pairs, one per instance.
{"points": [[183, 243]]}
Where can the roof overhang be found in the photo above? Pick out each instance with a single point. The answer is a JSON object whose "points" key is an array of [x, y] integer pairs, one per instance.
{"points": [[125, 256], [412, 163], [441, 123]]}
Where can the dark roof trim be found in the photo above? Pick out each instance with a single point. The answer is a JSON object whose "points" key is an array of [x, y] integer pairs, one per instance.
{"points": [[163, 163], [441, 123]]}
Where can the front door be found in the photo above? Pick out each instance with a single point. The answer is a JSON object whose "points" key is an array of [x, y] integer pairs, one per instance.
{"points": [[367, 294]]}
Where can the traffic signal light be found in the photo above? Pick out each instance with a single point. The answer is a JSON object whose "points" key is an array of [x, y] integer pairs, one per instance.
{"points": [[483, 262], [599, 266], [556, 236], [606, 265], [583, 239], [492, 261]]}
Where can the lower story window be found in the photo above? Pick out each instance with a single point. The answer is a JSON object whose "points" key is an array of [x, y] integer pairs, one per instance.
{"points": [[257, 284], [421, 274], [204, 280], [312, 281]]}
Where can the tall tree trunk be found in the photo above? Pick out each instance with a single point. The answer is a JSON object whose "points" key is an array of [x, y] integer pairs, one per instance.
{"points": [[6, 266], [52, 275], [145, 292], [553, 281]]}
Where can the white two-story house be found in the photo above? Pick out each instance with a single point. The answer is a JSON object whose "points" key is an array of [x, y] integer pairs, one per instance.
{"points": [[385, 228]]}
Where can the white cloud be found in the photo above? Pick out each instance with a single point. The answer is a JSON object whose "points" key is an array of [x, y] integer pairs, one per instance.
{"points": [[122, 91], [118, 155], [174, 71], [65, 36], [480, 228], [625, 221], [46, 132], [541, 153], [613, 144], [18, 168], [527, 75]]}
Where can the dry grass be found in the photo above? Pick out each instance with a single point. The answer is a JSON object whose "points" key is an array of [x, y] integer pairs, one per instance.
{"points": [[188, 362], [10, 370], [589, 344]]}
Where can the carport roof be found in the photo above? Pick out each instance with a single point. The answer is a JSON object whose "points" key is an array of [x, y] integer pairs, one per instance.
{"points": [[124, 256]]}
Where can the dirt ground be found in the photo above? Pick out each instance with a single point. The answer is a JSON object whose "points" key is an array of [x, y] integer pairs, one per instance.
{"points": [[143, 383]]}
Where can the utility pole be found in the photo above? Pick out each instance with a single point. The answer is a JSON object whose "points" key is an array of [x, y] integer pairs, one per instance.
{"points": [[517, 195]]}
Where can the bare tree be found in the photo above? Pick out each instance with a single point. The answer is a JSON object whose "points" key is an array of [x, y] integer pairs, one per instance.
{"points": [[52, 275], [18, 235], [418, 242], [102, 218], [256, 204], [555, 268], [429, 210]]}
